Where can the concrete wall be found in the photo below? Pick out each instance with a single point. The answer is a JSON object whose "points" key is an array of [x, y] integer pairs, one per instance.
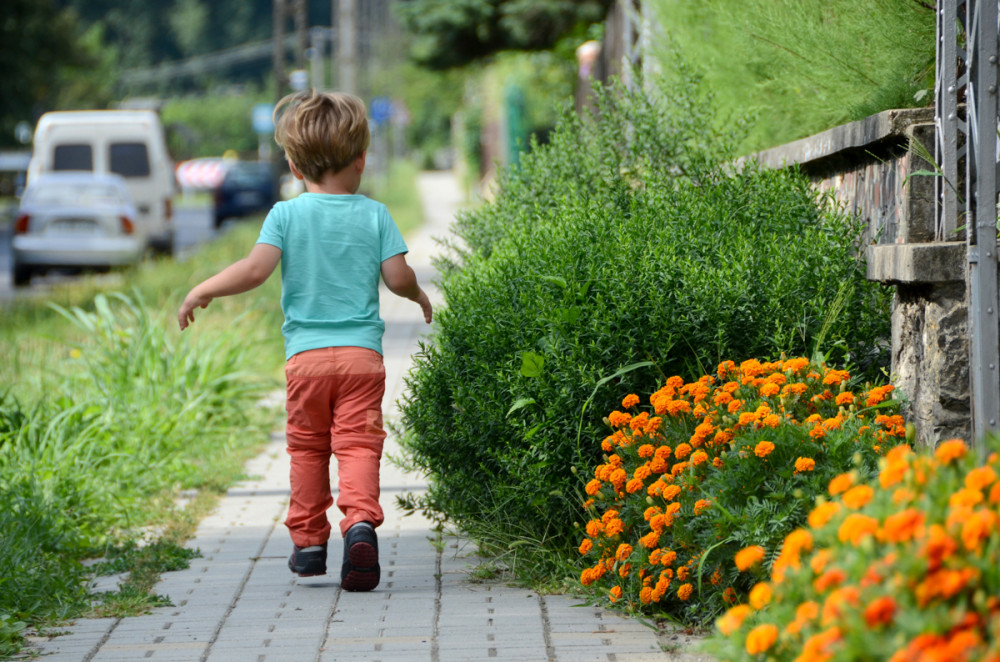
{"points": [[867, 168]]}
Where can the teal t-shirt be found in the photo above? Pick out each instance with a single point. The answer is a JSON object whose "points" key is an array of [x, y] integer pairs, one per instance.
{"points": [[332, 249]]}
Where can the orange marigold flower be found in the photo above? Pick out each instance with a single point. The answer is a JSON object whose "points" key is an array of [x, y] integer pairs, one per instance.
{"points": [[980, 478], [701, 505], [670, 492], [748, 557], [722, 398], [760, 595], [615, 593], [855, 527], [840, 484], [978, 528], [858, 497], [733, 619], [634, 485], [793, 390], [593, 487], [619, 419], [761, 638], [804, 464], [685, 591], [623, 552], [771, 421], [835, 377], [878, 394], [797, 364], [965, 498], [646, 450], [699, 457], [822, 514], [682, 451], [678, 468], [586, 546], [725, 368], [683, 572], [769, 389], [729, 595], [829, 579], [646, 595], [717, 462], [734, 406], [650, 540], [844, 399], [614, 527], [594, 528], [618, 477], [903, 526], [763, 449], [630, 401], [676, 407]]}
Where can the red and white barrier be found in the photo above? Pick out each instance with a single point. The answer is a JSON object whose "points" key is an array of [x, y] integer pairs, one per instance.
{"points": [[201, 174]]}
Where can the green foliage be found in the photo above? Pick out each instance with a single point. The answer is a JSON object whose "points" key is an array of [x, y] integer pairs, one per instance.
{"points": [[732, 460], [803, 66], [210, 124], [449, 33], [108, 413], [622, 241]]}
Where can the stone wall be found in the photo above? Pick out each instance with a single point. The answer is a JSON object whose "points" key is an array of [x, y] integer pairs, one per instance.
{"points": [[867, 166]]}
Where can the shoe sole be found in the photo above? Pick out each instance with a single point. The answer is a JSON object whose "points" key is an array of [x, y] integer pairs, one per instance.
{"points": [[307, 571], [362, 568]]}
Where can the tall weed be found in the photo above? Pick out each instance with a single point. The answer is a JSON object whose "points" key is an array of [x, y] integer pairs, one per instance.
{"points": [[621, 242]]}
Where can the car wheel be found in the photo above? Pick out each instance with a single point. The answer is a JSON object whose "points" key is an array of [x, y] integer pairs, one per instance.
{"points": [[21, 275]]}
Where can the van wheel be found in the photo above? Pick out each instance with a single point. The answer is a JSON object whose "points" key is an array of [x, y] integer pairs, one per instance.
{"points": [[163, 246], [21, 275]]}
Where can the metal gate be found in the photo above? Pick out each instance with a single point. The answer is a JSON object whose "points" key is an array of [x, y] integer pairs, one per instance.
{"points": [[966, 151]]}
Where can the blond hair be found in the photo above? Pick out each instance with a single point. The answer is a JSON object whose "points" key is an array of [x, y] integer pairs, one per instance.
{"points": [[321, 131]]}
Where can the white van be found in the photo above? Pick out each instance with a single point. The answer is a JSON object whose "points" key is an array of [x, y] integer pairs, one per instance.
{"points": [[129, 143]]}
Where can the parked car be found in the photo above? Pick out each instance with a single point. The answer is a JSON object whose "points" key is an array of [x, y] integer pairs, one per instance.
{"points": [[74, 219], [130, 143], [247, 188]]}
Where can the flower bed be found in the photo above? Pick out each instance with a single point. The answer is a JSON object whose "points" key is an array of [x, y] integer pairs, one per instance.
{"points": [[730, 462], [904, 569]]}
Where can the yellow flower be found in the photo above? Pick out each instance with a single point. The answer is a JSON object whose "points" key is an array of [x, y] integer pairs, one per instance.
{"points": [[75, 353]]}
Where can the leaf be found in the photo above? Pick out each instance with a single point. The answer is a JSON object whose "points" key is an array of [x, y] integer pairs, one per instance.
{"points": [[531, 364], [520, 403]]}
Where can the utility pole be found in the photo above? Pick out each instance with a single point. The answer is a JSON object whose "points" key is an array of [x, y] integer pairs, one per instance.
{"points": [[278, 53], [301, 32], [347, 45]]}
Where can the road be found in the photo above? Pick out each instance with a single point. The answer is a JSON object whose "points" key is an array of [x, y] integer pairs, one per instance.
{"points": [[193, 226]]}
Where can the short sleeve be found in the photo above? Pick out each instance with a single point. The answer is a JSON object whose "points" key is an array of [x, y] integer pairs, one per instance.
{"points": [[391, 240], [272, 232]]}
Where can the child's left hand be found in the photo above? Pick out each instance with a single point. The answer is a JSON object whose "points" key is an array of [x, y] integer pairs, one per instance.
{"points": [[185, 315]]}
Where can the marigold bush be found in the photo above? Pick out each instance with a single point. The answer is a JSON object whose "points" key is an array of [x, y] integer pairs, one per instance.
{"points": [[903, 569], [699, 489]]}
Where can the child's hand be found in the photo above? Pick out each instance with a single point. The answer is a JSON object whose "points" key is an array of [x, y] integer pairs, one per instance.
{"points": [[185, 315], [425, 305]]}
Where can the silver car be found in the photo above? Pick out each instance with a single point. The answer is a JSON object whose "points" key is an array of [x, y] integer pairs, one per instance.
{"points": [[74, 219]]}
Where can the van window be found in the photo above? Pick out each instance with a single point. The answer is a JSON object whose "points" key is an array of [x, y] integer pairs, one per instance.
{"points": [[129, 159], [72, 157]]}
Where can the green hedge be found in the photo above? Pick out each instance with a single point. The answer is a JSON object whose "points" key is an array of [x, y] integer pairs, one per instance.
{"points": [[621, 242]]}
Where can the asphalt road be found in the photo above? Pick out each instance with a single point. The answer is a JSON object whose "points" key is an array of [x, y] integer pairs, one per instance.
{"points": [[192, 226]]}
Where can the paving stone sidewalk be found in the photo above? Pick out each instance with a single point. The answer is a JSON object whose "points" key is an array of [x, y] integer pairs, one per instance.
{"points": [[239, 602]]}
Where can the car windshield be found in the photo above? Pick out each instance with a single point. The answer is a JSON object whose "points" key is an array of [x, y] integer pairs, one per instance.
{"points": [[247, 175], [74, 193]]}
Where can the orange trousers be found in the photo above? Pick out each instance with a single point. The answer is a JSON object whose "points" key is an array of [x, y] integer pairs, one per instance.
{"points": [[334, 407]]}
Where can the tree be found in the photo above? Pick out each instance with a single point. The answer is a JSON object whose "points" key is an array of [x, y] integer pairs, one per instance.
{"points": [[450, 33]]}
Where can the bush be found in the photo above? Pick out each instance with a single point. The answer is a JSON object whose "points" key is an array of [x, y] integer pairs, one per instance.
{"points": [[621, 248], [728, 462], [903, 569]]}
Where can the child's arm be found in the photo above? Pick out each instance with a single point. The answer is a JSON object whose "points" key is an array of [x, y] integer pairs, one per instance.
{"points": [[238, 277], [401, 281]]}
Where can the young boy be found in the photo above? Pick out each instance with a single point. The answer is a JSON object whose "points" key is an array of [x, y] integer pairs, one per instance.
{"points": [[332, 244]]}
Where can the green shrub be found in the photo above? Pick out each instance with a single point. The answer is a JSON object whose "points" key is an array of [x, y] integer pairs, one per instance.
{"points": [[621, 242], [731, 461]]}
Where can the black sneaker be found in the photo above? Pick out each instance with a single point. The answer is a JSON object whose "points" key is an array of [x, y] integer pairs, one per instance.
{"points": [[360, 571], [308, 561]]}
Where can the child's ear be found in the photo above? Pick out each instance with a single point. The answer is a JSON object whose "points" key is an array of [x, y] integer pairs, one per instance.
{"points": [[359, 163], [295, 171]]}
